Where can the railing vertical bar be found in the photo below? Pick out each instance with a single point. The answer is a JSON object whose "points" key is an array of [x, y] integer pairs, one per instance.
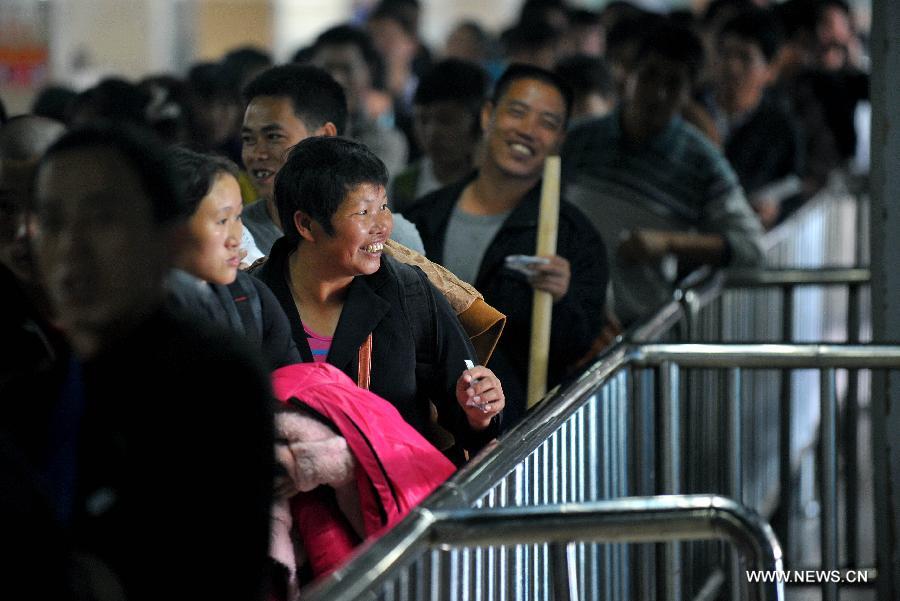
{"points": [[734, 440], [828, 480], [644, 576], [670, 476], [785, 489], [564, 576], [850, 430]]}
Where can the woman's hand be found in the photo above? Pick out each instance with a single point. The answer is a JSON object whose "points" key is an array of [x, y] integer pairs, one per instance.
{"points": [[480, 394]]}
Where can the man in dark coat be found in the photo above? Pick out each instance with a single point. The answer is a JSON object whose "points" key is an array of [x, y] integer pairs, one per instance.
{"points": [[472, 226]]}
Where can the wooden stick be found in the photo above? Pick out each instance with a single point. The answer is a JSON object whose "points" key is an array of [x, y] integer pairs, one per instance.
{"points": [[542, 309]]}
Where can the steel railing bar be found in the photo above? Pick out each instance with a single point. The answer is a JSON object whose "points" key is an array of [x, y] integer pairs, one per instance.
{"points": [[734, 440], [786, 430], [820, 276], [850, 441], [769, 356], [670, 468], [828, 480]]}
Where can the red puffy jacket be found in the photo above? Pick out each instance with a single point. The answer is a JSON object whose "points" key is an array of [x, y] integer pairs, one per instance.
{"points": [[397, 466]]}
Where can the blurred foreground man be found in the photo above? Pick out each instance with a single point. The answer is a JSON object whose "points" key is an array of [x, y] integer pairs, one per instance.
{"points": [[159, 444]]}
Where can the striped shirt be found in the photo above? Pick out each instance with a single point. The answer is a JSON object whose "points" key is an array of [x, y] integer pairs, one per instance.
{"points": [[318, 344], [676, 180]]}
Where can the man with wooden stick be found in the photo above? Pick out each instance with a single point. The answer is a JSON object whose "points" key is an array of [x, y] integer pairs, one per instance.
{"points": [[471, 227]]}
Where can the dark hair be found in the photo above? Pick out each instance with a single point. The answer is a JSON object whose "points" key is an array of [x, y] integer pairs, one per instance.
{"points": [[112, 99], [759, 27], [239, 65], [528, 35], [823, 5], [303, 55], [143, 152], [516, 72], [454, 80], [397, 13], [319, 173], [675, 43], [586, 75], [169, 111], [196, 173], [317, 98], [347, 35], [724, 9], [207, 81], [581, 17], [628, 32], [53, 102], [797, 18]]}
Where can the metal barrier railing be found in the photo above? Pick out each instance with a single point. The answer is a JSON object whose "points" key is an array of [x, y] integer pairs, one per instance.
{"points": [[646, 519], [670, 359], [731, 305], [557, 472]]}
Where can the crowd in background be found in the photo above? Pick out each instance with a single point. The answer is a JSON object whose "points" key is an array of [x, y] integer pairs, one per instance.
{"points": [[170, 243]]}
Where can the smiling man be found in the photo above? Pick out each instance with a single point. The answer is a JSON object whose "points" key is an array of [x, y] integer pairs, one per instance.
{"points": [[472, 226], [286, 105]]}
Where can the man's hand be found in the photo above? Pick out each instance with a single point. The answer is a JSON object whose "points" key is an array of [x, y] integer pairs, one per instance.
{"points": [[552, 277], [767, 210], [480, 394], [644, 246]]}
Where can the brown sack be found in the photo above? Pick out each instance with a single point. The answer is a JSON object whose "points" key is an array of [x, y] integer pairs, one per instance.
{"points": [[482, 322]]}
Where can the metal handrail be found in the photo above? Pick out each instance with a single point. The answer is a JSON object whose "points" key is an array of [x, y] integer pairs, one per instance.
{"points": [[818, 276], [631, 520], [769, 356]]}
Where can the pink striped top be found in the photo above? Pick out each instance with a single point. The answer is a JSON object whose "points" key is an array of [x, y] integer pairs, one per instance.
{"points": [[318, 344]]}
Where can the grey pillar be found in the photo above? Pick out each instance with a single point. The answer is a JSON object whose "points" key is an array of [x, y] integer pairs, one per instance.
{"points": [[885, 236]]}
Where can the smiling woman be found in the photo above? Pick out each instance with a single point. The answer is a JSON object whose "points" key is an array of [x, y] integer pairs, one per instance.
{"points": [[379, 321]]}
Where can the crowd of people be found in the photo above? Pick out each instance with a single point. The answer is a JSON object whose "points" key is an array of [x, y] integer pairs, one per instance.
{"points": [[219, 376]]}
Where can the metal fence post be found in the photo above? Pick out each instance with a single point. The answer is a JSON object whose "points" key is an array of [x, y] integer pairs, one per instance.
{"points": [[850, 433], [734, 440], [644, 475], [785, 431], [564, 573], [828, 481], [670, 462]]}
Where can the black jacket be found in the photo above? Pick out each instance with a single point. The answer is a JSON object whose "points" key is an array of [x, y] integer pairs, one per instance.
{"points": [[577, 318], [410, 364], [246, 308]]}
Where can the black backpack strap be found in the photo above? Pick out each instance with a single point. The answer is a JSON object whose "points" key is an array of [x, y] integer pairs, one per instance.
{"points": [[418, 305], [248, 305]]}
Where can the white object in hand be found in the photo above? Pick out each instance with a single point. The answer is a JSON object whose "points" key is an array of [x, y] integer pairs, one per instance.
{"points": [[484, 406]]}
